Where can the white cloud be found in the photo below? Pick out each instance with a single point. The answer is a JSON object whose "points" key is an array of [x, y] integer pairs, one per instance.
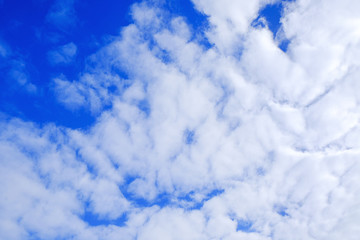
{"points": [[174, 224], [275, 135], [229, 20], [67, 93]]}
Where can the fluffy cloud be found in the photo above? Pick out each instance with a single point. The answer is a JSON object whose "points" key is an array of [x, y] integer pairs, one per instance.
{"points": [[235, 141]]}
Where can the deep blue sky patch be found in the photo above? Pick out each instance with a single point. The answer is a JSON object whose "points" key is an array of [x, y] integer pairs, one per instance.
{"points": [[97, 220], [272, 14]]}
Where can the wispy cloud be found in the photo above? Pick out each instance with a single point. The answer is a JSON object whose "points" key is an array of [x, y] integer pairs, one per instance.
{"points": [[15, 70], [4, 49], [63, 55], [19, 77]]}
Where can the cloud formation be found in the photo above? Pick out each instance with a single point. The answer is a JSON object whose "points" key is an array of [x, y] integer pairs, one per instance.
{"points": [[237, 140]]}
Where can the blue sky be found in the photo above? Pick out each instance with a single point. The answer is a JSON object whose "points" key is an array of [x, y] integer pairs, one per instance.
{"points": [[31, 35], [36, 28], [194, 119]]}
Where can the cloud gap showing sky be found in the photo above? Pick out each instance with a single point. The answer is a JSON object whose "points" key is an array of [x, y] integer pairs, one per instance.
{"points": [[178, 119]]}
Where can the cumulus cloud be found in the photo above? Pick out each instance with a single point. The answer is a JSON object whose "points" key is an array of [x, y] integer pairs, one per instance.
{"points": [[235, 141]]}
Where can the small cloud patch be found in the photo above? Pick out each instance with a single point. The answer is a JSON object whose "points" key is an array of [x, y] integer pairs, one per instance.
{"points": [[63, 55]]}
